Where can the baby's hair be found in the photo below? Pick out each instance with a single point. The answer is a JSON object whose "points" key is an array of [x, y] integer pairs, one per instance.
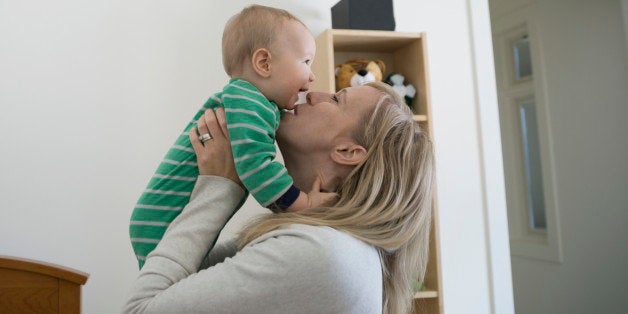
{"points": [[255, 27]]}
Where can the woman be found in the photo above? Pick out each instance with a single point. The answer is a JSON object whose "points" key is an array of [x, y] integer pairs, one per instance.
{"points": [[359, 255]]}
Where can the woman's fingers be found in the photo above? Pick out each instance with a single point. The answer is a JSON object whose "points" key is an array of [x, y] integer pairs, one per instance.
{"points": [[222, 121], [196, 142], [208, 128], [213, 123], [213, 156], [210, 125], [203, 129]]}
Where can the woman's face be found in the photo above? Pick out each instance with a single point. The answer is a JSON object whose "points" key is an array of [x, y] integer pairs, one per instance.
{"points": [[325, 119]]}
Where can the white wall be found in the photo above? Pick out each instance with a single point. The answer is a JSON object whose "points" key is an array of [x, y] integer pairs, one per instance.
{"points": [[93, 93], [624, 8], [461, 177], [584, 49]]}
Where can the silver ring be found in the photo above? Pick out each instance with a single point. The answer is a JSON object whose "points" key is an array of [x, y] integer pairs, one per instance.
{"points": [[205, 137]]}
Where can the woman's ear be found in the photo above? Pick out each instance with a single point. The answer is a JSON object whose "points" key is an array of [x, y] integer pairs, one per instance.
{"points": [[261, 62], [348, 153]]}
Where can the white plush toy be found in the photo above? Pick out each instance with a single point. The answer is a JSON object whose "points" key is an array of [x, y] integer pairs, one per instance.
{"points": [[405, 91]]}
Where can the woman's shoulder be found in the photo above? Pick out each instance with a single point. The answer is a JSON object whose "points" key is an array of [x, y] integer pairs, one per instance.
{"points": [[322, 239], [321, 269], [344, 258], [330, 239]]}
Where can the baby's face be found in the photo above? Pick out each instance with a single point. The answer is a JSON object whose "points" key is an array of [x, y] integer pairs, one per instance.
{"points": [[291, 71]]}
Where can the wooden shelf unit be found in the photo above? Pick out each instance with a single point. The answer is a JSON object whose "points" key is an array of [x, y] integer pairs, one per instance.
{"points": [[426, 294], [404, 53]]}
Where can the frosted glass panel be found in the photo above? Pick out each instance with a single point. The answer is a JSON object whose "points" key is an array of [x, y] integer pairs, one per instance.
{"points": [[532, 164]]}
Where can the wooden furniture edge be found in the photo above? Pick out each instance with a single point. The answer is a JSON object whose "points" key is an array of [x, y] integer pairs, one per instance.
{"points": [[374, 33], [427, 294], [44, 268]]}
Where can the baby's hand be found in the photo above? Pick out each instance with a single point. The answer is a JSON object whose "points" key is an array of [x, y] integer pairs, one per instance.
{"points": [[317, 198], [314, 198]]}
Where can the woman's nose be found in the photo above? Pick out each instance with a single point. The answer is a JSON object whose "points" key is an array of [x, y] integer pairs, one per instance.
{"points": [[314, 98]]}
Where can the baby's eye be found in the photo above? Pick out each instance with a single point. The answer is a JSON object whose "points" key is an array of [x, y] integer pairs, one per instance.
{"points": [[334, 98], [308, 61]]}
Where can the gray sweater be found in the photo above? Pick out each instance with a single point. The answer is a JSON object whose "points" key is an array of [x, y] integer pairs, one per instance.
{"points": [[296, 269]]}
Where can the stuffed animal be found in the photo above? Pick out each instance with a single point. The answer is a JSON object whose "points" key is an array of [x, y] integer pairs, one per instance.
{"points": [[406, 92], [359, 71]]}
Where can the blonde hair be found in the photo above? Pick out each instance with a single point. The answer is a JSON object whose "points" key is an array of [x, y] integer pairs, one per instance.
{"points": [[385, 201], [255, 27]]}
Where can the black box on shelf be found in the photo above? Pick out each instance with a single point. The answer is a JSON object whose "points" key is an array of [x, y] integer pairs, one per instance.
{"points": [[363, 14]]}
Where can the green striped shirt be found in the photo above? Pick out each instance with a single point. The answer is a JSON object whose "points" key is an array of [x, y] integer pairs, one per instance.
{"points": [[252, 121]]}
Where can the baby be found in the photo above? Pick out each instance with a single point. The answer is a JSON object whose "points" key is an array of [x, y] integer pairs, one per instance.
{"points": [[268, 54]]}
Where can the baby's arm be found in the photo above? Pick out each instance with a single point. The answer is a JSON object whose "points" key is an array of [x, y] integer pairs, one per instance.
{"points": [[252, 122], [312, 199]]}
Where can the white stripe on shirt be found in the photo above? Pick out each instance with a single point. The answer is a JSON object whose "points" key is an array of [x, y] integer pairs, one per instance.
{"points": [[144, 240], [158, 207], [249, 99], [245, 157], [149, 223], [249, 112], [165, 192], [216, 99], [180, 178], [176, 163], [253, 171], [248, 90], [183, 148], [248, 126], [268, 182], [244, 141]]}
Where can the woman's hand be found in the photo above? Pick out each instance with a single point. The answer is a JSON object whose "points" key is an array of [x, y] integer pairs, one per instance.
{"points": [[213, 155]]}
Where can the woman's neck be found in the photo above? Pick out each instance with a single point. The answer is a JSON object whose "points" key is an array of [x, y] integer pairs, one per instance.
{"points": [[301, 169], [304, 169]]}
